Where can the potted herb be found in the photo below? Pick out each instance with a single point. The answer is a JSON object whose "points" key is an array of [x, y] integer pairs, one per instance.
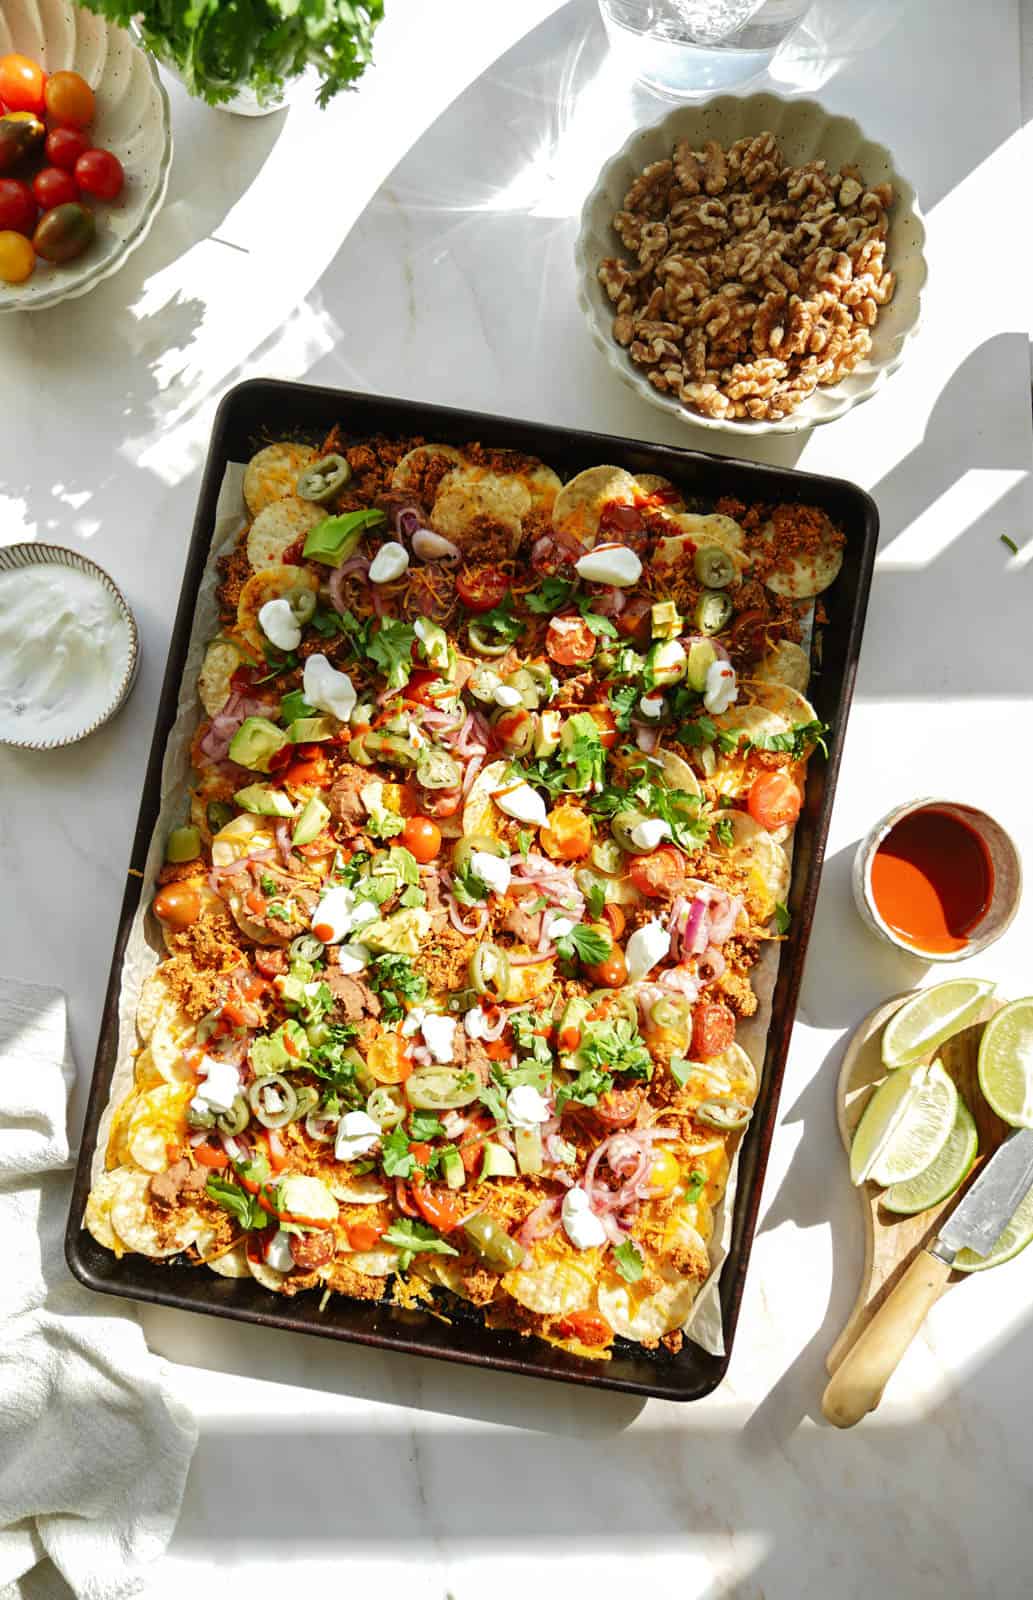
{"points": [[240, 54]]}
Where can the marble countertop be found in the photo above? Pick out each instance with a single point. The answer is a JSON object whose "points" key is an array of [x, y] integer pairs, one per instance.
{"points": [[438, 265]]}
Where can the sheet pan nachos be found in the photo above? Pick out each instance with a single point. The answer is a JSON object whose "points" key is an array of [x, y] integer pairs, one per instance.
{"points": [[488, 830]]}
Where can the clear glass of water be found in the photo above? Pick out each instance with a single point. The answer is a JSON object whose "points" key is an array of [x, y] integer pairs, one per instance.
{"points": [[684, 48]]}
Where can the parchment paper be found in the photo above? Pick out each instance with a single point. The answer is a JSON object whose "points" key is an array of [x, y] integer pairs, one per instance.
{"points": [[144, 950]]}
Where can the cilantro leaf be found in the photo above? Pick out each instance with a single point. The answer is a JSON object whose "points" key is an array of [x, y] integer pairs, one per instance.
{"points": [[588, 944], [695, 734], [602, 627], [241, 1205], [587, 1088], [583, 754], [695, 1186], [723, 830], [553, 594], [794, 741], [394, 979], [411, 1238], [502, 621], [596, 898], [623, 700], [398, 1159], [782, 917], [627, 1258], [391, 648], [615, 1046], [336, 1063], [424, 1126], [493, 1098]]}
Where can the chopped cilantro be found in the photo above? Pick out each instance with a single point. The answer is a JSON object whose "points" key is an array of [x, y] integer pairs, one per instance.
{"points": [[794, 741], [694, 734], [493, 1098], [602, 627], [411, 1238], [782, 917], [502, 621], [596, 898], [552, 596], [587, 1088], [627, 1258], [398, 1159], [241, 1205], [723, 830], [695, 1186], [392, 978], [423, 1126], [616, 1046], [336, 1063], [391, 648], [623, 700], [587, 944]]}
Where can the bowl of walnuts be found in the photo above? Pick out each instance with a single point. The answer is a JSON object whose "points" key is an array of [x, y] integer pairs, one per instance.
{"points": [[752, 264]]}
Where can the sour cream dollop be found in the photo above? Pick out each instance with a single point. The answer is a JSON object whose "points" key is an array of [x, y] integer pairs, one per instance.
{"points": [[64, 651]]}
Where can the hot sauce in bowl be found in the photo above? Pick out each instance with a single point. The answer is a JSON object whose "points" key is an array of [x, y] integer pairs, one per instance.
{"points": [[938, 879], [932, 880]]}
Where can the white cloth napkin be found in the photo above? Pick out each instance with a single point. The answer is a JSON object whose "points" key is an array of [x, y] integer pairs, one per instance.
{"points": [[94, 1449]]}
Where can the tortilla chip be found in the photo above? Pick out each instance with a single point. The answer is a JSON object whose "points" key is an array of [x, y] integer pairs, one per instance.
{"points": [[273, 473], [580, 502], [279, 526]]}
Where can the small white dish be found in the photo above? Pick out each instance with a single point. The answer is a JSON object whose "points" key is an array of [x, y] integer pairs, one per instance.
{"points": [[18, 557], [132, 120], [805, 132]]}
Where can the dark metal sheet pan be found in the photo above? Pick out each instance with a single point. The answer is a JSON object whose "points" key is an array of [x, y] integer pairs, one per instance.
{"points": [[262, 409]]}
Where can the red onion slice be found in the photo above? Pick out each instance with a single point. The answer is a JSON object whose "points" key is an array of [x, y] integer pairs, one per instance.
{"points": [[543, 1220]]}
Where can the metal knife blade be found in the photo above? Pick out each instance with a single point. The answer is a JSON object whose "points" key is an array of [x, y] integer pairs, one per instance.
{"points": [[978, 1221]]}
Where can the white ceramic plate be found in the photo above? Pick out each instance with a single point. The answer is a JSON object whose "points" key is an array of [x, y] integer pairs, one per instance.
{"points": [[805, 132], [132, 120]]}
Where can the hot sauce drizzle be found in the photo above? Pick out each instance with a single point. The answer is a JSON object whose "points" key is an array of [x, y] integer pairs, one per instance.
{"points": [[932, 880]]}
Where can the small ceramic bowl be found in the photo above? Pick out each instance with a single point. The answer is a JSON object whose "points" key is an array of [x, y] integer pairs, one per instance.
{"points": [[805, 132], [132, 120], [1007, 886], [16, 557]]}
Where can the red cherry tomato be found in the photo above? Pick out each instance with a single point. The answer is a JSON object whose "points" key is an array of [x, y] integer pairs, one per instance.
{"points": [[422, 838], [69, 99], [587, 1327], [774, 800], [64, 146], [658, 875], [17, 206], [482, 588], [619, 1107], [100, 173], [607, 725], [713, 1030], [570, 641], [52, 187], [421, 680], [441, 802], [22, 83]]}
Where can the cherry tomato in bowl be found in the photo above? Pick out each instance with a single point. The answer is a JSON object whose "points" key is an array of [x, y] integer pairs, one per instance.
{"points": [[99, 173], [17, 257], [69, 99], [22, 83], [17, 206], [64, 146], [52, 187], [64, 233], [482, 588]]}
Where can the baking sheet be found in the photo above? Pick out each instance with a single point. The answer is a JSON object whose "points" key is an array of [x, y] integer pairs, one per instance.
{"points": [[144, 949]]}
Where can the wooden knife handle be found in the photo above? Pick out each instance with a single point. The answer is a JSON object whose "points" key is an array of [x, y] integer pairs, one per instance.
{"points": [[857, 1384]]}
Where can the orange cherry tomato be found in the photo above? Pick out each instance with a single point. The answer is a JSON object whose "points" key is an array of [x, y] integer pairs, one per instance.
{"points": [[207, 1156], [567, 834], [362, 1236], [386, 1058], [611, 973], [22, 83], [658, 875], [440, 1207], [587, 1327], [570, 641], [69, 99], [178, 905], [619, 1107], [607, 725], [713, 1030], [422, 838], [614, 919], [774, 800], [312, 774]]}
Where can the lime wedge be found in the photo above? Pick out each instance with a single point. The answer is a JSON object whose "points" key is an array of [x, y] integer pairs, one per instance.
{"points": [[943, 1175], [1006, 1063], [1015, 1237], [930, 1017], [922, 1131], [885, 1110]]}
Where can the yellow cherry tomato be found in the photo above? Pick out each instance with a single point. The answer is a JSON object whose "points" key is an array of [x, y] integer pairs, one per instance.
{"points": [[567, 834], [17, 257], [665, 1172]]}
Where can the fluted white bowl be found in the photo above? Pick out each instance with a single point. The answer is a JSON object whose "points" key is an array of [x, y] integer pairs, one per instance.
{"points": [[805, 132], [132, 120]]}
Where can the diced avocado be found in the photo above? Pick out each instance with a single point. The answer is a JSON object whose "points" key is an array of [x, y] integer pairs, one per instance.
{"points": [[310, 730], [255, 743], [572, 1021], [312, 821], [268, 1052], [580, 726], [302, 1196], [498, 1163], [402, 934], [184, 844], [665, 664], [701, 658], [529, 1150], [452, 1167], [666, 621], [292, 988], [262, 801], [336, 538], [547, 733], [433, 642], [294, 705]]}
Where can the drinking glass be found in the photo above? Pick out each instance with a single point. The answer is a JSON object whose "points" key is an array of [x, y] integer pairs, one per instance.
{"points": [[683, 48]]}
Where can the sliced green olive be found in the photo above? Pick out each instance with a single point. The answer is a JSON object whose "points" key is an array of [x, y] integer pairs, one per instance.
{"points": [[324, 479], [387, 1105], [236, 1119], [484, 639], [713, 611], [199, 1119], [390, 747], [724, 1114], [526, 686], [436, 769], [184, 844], [489, 971], [441, 1088], [303, 604], [621, 827], [492, 1243], [714, 566], [275, 1116]]}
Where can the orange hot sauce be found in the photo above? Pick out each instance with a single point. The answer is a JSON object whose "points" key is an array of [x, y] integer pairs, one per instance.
{"points": [[932, 880]]}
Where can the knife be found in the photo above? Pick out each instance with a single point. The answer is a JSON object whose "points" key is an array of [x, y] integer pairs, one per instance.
{"points": [[976, 1223]]}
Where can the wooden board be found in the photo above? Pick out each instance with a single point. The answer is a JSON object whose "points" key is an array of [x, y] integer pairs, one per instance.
{"points": [[890, 1241]]}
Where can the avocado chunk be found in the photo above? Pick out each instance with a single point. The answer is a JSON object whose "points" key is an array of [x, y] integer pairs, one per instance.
{"points": [[547, 733], [262, 801], [255, 743], [336, 538], [310, 730], [701, 658], [312, 821], [498, 1163], [572, 1020], [268, 1052], [666, 622], [452, 1166], [665, 664], [402, 934], [529, 1151]]}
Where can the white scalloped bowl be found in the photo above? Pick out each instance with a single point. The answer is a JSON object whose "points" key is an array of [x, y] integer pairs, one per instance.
{"points": [[132, 119], [805, 132]]}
